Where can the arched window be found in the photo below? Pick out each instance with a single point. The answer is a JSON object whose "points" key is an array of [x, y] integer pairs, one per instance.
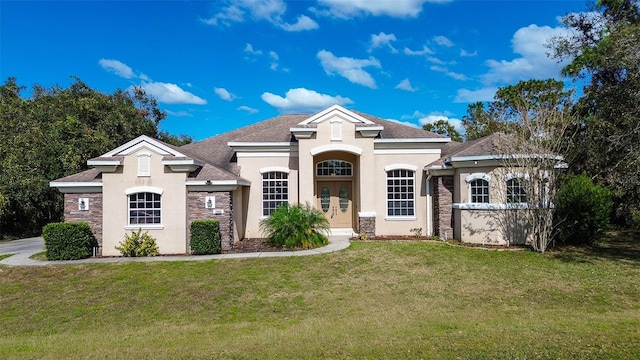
{"points": [[400, 193], [275, 191], [145, 208], [516, 191], [479, 191], [334, 168]]}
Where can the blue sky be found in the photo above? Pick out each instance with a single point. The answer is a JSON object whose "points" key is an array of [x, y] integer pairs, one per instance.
{"points": [[218, 65]]}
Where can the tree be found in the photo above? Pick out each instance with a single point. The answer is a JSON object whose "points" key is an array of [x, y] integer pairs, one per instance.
{"points": [[443, 127], [538, 115], [51, 135], [604, 49]]}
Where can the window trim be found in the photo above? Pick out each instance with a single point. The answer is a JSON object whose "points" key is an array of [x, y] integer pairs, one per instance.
{"points": [[488, 194], [280, 201], [158, 225], [413, 200]]}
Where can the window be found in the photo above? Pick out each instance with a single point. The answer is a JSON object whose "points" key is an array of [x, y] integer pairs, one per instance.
{"points": [[275, 191], [516, 192], [144, 165], [479, 191], [400, 192], [334, 168], [144, 208]]}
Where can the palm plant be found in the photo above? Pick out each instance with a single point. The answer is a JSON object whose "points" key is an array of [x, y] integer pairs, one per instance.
{"points": [[296, 226]]}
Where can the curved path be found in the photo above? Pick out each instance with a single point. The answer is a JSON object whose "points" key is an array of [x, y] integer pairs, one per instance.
{"points": [[24, 248]]}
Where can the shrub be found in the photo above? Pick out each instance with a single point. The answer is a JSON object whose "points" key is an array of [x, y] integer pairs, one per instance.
{"points": [[68, 240], [205, 237], [582, 210], [296, 226], [138, 244]]}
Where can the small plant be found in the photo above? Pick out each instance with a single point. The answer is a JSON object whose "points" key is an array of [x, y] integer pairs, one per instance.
{"points": [[296, 226], [363, 236], [205, 237], [138, 244], [417, 232]]}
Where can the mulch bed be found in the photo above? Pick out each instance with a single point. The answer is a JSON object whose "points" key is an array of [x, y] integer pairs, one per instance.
{"points": [[251, 245]]}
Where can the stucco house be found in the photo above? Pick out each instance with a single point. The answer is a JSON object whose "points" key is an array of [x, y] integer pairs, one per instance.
{"points": [[368, 175]]}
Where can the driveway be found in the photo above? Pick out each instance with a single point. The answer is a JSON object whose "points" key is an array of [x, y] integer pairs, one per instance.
{"points": [[24, 248], [30, 245]]}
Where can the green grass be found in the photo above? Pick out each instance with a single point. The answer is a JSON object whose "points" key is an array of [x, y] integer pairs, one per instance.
{"points": [[375, 300]]}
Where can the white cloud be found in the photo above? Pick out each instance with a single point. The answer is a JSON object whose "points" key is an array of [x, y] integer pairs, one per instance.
{"points": [[443, 41], [349, 68], [117, 68], [168, 93], [179, 113], [406, 85], [304, 23], [465, 53], [469, 96], [406, 123], [272, 55], [247, 109], [224, 94], [237, 11], [303, 100], [249, 49], [345, 9], [424, 51], [533, 63], [451, 74], [433, 117], [382, 39]]}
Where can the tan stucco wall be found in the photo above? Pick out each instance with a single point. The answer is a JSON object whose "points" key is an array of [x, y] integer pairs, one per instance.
{"points": [[369, 177], [495, 226], [171, 239], [250, 165], [388, 225]]}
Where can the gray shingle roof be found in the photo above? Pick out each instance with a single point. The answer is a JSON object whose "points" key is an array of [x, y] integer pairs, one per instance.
{"points": [[277, 129]]}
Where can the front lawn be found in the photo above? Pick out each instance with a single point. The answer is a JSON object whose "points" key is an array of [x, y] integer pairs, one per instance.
{"points": [[374, 300]]}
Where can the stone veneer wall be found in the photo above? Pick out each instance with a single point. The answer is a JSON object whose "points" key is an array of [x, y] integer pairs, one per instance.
{"points": [[443, 201], [367, 225], [196, 211], [92, 216]]}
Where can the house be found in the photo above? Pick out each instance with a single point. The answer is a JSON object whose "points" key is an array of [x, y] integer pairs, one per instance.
{"points": [[367, 175]]}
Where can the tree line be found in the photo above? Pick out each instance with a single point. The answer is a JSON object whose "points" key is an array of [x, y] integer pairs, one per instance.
{"points": [[599, 130], [51, 134]]}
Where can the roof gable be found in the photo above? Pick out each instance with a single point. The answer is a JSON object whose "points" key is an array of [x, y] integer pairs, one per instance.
{"points": [[336, 111], [144, 141]]}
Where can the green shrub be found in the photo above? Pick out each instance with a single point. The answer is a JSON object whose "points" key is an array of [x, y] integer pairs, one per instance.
{"points": [[296, 226], [582, 210], [138, 244], [68, 240], [205, 237]]}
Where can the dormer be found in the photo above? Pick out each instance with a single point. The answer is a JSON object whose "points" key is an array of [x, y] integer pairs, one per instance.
{"points": [[336, 114], [146, 147]]}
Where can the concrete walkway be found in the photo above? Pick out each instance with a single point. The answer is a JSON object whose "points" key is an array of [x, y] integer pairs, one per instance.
{"points": [[24, 248]]}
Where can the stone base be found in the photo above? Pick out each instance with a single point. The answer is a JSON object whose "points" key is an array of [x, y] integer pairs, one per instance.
{"points": [[367, 225]]}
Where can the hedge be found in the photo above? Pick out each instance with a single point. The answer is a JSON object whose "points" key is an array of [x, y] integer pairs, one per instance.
{"points": [[68, 240], [205, 237]]}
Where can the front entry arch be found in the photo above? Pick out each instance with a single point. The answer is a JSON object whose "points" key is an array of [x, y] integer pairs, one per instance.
{"points": [[335, 199]]}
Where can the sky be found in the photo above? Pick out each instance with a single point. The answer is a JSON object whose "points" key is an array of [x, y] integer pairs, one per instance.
{"points": [[215, 66]]}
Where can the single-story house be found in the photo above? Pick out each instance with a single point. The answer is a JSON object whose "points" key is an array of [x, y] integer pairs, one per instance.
{"points": [[368, 175]]}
